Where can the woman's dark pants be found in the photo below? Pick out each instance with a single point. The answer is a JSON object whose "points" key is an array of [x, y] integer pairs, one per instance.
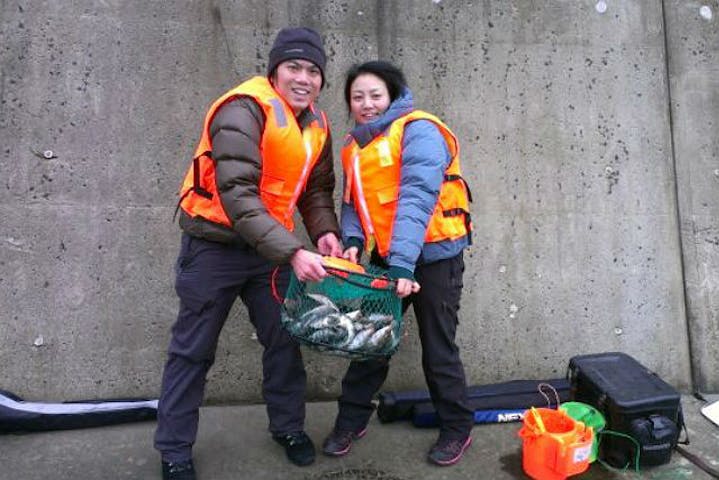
{"points": [[435, 307]]}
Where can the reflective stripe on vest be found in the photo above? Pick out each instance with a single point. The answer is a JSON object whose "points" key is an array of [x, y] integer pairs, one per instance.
{"points": [[372, 182], [288, 157]]}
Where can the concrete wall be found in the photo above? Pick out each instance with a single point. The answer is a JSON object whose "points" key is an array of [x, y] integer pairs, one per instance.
{"points": [[692, 39], [589, 139]]}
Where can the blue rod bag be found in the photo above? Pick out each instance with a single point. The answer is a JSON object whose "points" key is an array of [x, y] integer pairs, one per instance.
{"points": [[504, 399], [425, 416]]}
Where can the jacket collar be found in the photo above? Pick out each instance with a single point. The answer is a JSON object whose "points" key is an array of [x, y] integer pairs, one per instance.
{"points": [[401, 106]]}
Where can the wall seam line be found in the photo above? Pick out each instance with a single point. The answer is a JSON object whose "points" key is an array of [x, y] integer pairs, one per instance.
{"points": [[672, 149]]}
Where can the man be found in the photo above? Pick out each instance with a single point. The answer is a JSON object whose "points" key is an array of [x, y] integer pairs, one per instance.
{"points": [[265, 149]]}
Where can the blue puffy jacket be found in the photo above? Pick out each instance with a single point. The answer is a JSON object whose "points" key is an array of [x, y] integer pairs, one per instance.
{"points": [[425, 158]]}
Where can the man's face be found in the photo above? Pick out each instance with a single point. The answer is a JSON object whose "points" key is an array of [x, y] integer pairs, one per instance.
{"points": [[299, 82]]}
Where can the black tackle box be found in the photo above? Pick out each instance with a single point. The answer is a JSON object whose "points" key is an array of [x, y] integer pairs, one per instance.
{"points": [[634, 401]]}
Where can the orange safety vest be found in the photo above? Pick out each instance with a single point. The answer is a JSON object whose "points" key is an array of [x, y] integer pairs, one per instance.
{"points": [[285, 164], [372, 181]]}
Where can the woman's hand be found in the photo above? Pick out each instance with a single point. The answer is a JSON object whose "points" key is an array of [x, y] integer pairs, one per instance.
{"points": [[406, 287], [351, 254]]}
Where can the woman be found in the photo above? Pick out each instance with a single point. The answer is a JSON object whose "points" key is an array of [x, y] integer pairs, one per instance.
{"points": [[406, 202]]}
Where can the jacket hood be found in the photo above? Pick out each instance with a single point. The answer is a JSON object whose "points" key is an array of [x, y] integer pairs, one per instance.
{"points": [[401, 106]]}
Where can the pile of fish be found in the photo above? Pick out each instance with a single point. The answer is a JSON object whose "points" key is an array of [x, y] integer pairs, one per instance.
{"points": [[325, 325]]}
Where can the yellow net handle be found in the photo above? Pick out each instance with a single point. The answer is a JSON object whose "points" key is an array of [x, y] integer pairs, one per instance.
{"points": [[342, 264]]}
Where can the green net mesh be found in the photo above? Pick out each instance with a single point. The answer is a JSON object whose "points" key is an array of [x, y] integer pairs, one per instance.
{"points": [[353, 315]]}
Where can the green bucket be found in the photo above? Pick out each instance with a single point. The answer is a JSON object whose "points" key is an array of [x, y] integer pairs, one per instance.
{"points": [[589, 416]]}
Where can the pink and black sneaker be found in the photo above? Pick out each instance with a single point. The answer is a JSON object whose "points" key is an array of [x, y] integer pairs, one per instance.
{"points": [[339, 442], [448, 452]]}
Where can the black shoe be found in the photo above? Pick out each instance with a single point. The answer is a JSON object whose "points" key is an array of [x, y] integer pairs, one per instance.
{"points": [[298, 447], [339, 442], [178, 471], [448, 452]]}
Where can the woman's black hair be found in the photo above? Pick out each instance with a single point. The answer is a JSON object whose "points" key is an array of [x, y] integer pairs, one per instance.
{"points": [[392, 77]]}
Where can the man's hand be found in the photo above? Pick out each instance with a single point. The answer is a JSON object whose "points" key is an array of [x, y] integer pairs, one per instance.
{"points": [[329, 244], [308, 265], [351, 254], [405, 287]]}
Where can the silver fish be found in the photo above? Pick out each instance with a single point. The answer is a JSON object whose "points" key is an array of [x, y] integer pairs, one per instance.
{"points": [[354, 315], [317, 313], [328, 336], [379, 320], [380, 338], [337, 322], [294, 326], [343, 321], [291, 304], [360, 338], [323, 300], [318, 322]]}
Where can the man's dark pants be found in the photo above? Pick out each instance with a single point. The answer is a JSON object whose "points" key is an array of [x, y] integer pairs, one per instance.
{"points": [[210, 276], [435, 307]]}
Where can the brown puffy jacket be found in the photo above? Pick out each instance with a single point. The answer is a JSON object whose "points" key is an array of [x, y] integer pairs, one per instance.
{"points": [[236, 131]]}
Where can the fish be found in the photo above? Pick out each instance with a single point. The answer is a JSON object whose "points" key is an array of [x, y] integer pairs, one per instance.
{"points": [[318, 322], [379, 320], [323, 300], [354, 316], [344, 321], [360, 338], [380, 338], [328, 336], [317, 313], [291, 324], [291, 304], [325, 308], [342, 326]]}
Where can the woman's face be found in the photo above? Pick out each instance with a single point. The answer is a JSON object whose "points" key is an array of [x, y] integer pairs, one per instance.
{"points": [[369, 98]]}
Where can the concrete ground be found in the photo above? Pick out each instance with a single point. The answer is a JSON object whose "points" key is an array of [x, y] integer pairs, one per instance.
{"points": [[233, 444]]}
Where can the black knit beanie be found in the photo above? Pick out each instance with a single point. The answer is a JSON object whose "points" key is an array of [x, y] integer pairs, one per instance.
{"points": [[297, 42]]}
